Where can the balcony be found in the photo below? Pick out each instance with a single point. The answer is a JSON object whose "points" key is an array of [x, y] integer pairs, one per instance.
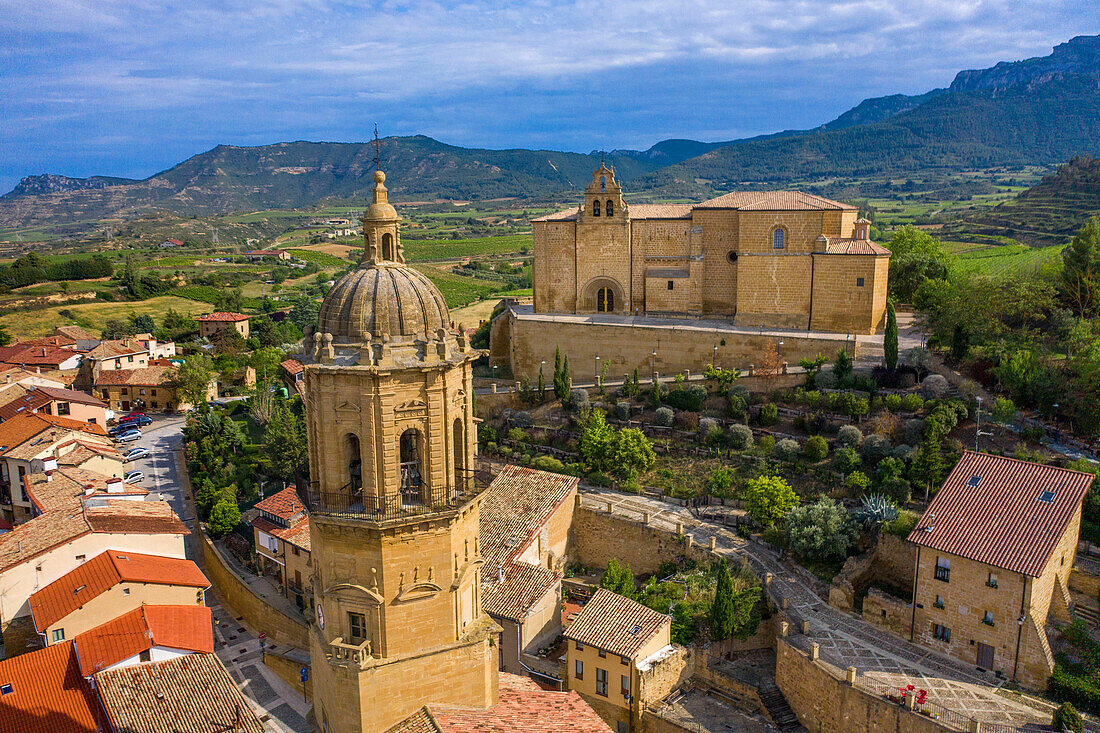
{"points": [[988, 622], [410, 502], [938, 604], [991, 583], [943, 574], [345, 654]]}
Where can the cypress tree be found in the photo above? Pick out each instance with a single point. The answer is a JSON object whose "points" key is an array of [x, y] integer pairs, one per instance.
{"points": [[636, 387], [890, 339], [566, 378], [559, 392], [722, 610]]}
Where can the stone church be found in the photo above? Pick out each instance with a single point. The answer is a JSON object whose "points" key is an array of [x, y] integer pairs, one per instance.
{"points": [[772, 259], [400, 637]]}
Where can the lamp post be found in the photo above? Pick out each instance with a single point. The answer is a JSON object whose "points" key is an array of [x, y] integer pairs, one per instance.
{"points": [[714, 356], [542, 380], [596, 372], [494, 372]]}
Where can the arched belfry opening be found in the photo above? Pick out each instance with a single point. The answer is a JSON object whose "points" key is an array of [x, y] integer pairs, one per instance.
{"points": [[458, 436], [412, 469], [353, 460], [387, 247]]}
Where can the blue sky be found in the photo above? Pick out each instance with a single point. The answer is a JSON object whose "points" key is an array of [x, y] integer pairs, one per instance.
{"points": [[130, 87]]}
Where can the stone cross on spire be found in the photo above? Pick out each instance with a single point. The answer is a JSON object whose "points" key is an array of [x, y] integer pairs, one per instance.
{"points": [[377, 149]]}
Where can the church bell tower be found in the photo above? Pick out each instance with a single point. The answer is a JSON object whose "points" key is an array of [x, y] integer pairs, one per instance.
{"points": [[394, 508]]}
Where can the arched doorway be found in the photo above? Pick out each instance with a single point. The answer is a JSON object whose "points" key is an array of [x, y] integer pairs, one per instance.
{"points": [[605, 300], [411, 468], [460, 455]]}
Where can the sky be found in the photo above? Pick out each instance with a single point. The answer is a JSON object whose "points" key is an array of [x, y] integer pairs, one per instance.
{"points": [[131, 87]]}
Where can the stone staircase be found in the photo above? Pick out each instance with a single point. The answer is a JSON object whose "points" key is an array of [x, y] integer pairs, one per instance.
{"points": [[1090, 616], [779, 710]]}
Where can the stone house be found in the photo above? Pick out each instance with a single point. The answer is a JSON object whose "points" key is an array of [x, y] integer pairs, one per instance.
{"points": [[76, 519], [995, 549], [608, 645], [256, 255], [67, 403], [110, 584], [211, 324], [148, 389], [117, 354], [281, 536]]}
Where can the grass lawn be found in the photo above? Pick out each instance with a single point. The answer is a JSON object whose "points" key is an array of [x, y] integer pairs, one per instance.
{"points": [[93, 316]]}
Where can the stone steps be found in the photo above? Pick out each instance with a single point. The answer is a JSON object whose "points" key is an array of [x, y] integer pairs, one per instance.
{"points": [[779, 709], [1089, 615]]}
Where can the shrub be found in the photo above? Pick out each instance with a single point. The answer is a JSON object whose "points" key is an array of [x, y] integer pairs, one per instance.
{"points": [[813, 399], [857, 483], [904, 524], [913, 431], [735, 406], [1078, 690], [825, 380], [767, 445], [710, 432], [630, 485], [740, 437], [892, 402], [517, 435], [875, 448], [720, 483], [1066, 718], [664, 417], [820, 531], [578, 399], [934, 387], [849, 436], [687, 421], [815, 449], [548, 463], [599, 478], [912, 402], [787, 450], [1004, 410], [846, 460], [897, 489], [522, 419], [687, 398], [622, 410], [768, 498], [769, 414], [739, 390]]}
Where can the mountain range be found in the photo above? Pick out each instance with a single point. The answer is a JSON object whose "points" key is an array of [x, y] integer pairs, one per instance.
{"points": [[1035, 111]]}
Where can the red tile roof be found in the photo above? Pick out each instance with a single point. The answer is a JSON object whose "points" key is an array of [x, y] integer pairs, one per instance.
{"points": [[38, 397], [191, 694], [48, 695], [855, 247], [42, 355], [222, 317], [151, 376], [187, 628], [104, 571], [292, 366], [513, 510], [15, 432], [523, 706], [1006, 520], [616, 624], [773, 201], [660, 211], [296, 534], [284, 504], [115, 348]]}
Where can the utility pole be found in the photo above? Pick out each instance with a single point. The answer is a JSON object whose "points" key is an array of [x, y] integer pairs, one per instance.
{"points": [[978, 425]]}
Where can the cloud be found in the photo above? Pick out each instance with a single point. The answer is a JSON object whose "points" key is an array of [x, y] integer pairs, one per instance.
{"points": [[85, 82]]}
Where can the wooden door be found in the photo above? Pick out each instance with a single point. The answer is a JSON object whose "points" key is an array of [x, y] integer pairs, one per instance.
{"points": [[985, 656]]}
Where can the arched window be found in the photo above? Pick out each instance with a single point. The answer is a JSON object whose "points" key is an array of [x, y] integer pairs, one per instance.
{"points": [[777, 239], [605, 300], [603, 184], [354, 462], [411, 469], [460, 455], [387, 246], [610, 210], [596, 207]]}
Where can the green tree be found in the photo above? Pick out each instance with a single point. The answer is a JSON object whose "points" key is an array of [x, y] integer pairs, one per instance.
{"points": [[304, 312], [5, 337], [229, 300], [618, 578], [842, 368], [927, 467], [916, 258], [566, 377], [223, 518], [890, 338], [633, 453], [285, 442], [722, 610], [768, 498], [192, 379], [815, 449], [1080, 277], [597, 440], [542, 385], [559, 384], [206, 496], [1066, 718], [143, 323], [820, 531]]}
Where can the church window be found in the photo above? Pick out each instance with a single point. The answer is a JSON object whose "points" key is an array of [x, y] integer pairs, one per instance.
{"points": [[357, 626], [859, 282], [410, 467], [778, 239], [387, 246], [605, 300], [596, 207], [603, 184], [610, 210]]}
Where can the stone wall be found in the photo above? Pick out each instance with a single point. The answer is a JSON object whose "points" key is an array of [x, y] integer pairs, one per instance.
{"points": [[890, 562], [290, 671], [892, 614], [1084, 583], [597, 537], [242, 602], [825, 703]]}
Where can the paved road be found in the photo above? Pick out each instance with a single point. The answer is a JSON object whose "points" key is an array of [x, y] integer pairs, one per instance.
{"points": [[279, 705]]}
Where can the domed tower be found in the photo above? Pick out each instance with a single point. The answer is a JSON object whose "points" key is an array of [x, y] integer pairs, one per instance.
{"points": [[394, 509]]}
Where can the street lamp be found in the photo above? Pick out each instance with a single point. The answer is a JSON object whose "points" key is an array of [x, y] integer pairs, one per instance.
{"points": [[494, 371], [596, 372], [714, 356], [542, 380]]}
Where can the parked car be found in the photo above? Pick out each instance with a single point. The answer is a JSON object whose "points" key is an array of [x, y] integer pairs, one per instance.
{"points": [[128, 436], [135, 453], [138, 421], [119, 429], [134, 477], [132, 414]]}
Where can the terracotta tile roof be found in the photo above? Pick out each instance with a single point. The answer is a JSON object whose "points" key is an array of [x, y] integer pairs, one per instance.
{"points": [[75, 332], [103, 572], [222, 317], [151, 376], [514, 508], [855, 247], [773, 201], [26, 435], [75, 453], [56, 340], [1002, 512], [191, 694], [176, 627], [122, 516], [48, 695], [292, 366], [115, 348], [296, 534], [284, 504], [660, 211], [268, 252], [523, 706], [42, 355], [615, 624], [566, 215], [37, 397]]}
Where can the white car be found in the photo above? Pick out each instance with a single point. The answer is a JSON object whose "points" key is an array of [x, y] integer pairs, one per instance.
{"points": [[129, 436], [135, 453], [134, 477]]}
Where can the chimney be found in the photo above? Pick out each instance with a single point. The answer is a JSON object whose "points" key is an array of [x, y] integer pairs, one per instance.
{"points": [[114, 485], [49, 465], [863, 229]]}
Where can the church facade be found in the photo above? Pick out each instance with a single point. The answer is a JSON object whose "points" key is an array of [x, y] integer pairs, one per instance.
{"points": [[767, 259]]}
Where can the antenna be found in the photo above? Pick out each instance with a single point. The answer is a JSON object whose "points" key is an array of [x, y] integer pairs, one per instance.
{"points": [[377, 149]]}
